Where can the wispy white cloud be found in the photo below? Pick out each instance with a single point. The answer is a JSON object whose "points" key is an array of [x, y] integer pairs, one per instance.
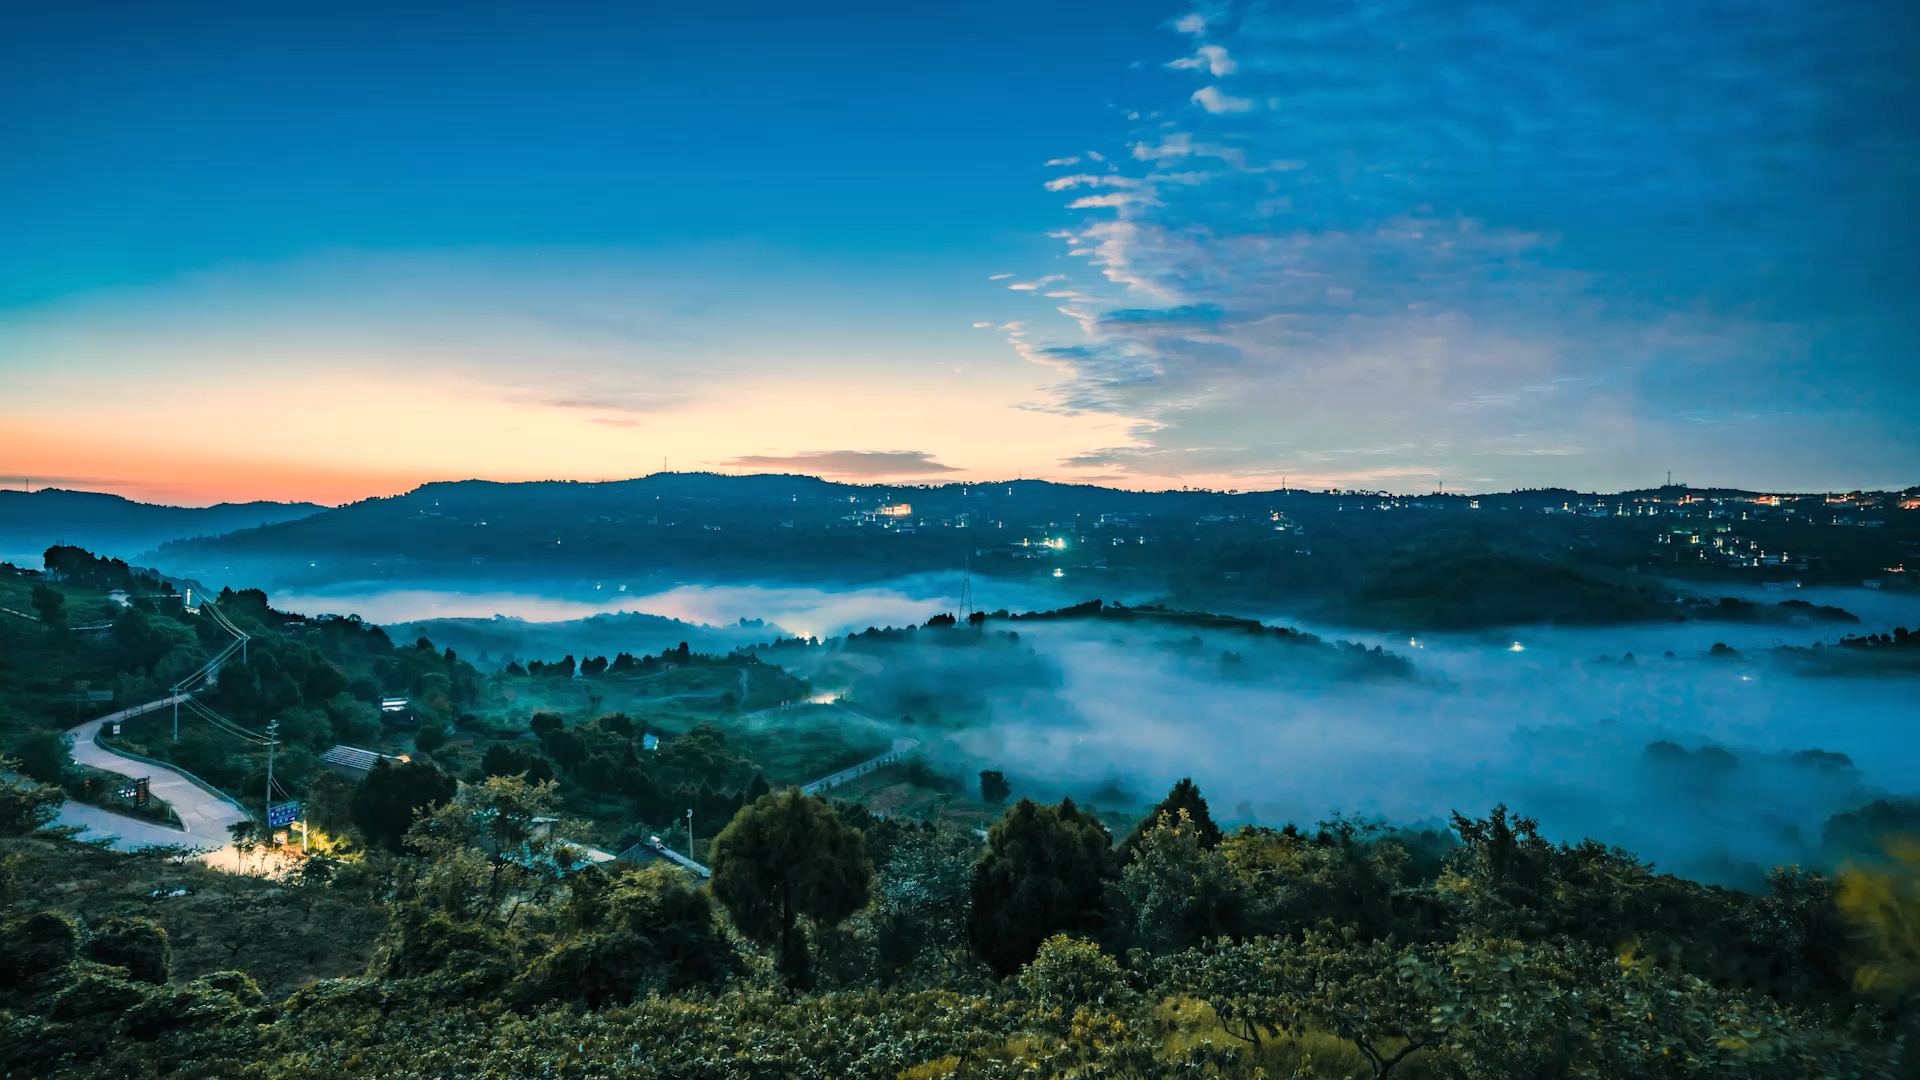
{"points": [[1116, 199], [1029, 286], [1211, 58], [998, 277], [1213, 100], [1062, 161], [1062, 183]]}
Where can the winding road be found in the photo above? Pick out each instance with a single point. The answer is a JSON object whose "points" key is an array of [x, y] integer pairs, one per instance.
{"points": [[205, 815]]}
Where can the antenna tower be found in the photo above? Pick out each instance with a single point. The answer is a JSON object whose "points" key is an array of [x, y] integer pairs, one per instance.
{"points": [[966, 590]]}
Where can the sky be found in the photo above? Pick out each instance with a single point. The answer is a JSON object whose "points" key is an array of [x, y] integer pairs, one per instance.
{"points": [[334, 251]]}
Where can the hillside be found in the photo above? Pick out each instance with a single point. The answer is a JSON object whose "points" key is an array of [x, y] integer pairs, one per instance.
{"points": [[113, 525], [443, 914], [1392, 562]]}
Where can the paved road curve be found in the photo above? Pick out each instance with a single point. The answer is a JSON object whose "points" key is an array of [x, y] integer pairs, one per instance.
{"points": [[901, 748], [205, 815]]}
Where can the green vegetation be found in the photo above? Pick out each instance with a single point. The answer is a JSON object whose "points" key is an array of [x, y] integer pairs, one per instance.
{"points": [[844, 945], [1045, 872], [783, 857], [452, 917], [323, 680]]}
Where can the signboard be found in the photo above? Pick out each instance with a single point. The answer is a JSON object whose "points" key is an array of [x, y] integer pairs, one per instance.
{"points": [[393, 704], [285, 813]]}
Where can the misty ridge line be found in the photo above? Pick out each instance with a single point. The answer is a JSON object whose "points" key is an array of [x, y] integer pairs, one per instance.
{"points": [[46, 499]]}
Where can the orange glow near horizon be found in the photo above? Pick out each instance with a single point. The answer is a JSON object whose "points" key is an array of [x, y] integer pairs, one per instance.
{"points": [[349, 438]]}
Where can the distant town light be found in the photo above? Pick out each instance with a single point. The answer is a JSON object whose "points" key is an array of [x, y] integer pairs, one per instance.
{"points": [[1516, 647], [1057, 572]]}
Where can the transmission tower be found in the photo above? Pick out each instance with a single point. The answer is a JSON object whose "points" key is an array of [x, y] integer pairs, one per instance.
{"points": [[966, 590]]}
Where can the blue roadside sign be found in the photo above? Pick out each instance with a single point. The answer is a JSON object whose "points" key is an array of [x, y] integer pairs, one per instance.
{"points": [[285, 813]]}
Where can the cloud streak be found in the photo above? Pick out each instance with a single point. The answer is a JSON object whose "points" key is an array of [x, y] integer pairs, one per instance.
{"points": [[1212, 59], [846, 463]]}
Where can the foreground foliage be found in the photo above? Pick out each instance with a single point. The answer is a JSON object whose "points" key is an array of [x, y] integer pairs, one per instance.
{"points": [[845, 945]]}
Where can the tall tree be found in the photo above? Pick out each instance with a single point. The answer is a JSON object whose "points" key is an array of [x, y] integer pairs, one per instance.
{"points": [[1180, 894], [513, 823], [1045, 872], [785, 856], [391, 796], [1184, 796], [994, 787], [51, 605]]}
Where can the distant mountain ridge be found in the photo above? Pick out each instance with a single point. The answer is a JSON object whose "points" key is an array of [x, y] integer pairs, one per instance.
{"points": [[1427, 562], [31, 521]]}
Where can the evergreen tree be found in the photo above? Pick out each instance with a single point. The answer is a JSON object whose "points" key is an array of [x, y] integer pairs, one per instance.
{"points": [[1045, 872], [51, 606], [785, 856], [994, 787], [1185, 795], [391, 796]]}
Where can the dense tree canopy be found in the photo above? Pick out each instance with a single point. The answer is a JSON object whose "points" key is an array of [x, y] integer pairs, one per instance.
{"points": [[1045, 872], [788, 855], [392, 795], [1184, 798]]}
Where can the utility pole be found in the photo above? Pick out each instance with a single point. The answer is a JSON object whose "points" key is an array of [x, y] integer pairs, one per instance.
{"points": [[690, 834], [273, 739], [176, 714]]}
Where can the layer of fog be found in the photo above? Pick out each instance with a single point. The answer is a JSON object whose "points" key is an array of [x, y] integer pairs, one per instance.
{"points": [[803, 610], [1115, 715], [1558, 728]]}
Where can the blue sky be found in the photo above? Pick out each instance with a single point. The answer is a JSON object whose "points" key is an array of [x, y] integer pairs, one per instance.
{"points": [[1375, 244]]}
